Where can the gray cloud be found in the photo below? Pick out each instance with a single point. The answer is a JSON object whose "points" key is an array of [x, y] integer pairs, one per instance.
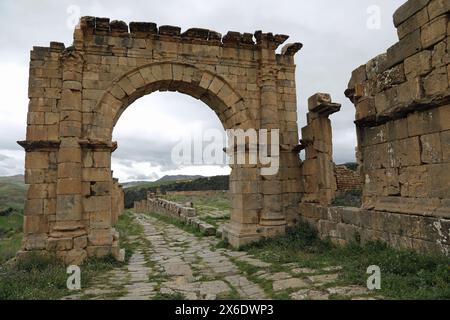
{"points": [[334, 33]]}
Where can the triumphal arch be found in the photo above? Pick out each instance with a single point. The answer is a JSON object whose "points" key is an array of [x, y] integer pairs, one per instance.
{"points": [[78, 93]]}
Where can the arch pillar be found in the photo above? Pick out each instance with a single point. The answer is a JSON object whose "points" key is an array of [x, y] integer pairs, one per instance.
{"points": [[273, 220]]}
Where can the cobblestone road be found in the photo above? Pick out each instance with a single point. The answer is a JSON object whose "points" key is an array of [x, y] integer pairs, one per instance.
{"points": [[172, 263]]}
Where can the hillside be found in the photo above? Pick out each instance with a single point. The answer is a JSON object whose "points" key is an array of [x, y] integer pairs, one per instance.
{"points": [[165, 179], [179, 178], [139, 192], [12, 193]]}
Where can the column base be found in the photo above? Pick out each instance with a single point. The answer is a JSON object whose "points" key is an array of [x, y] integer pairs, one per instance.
{"points": [[241, 235]]}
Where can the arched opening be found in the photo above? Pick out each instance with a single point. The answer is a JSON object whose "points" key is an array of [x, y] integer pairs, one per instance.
{"points": [[218, 95], [150, 131]]}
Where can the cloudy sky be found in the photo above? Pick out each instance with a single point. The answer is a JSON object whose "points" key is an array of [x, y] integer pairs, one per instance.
{"points": [[336, 40]]}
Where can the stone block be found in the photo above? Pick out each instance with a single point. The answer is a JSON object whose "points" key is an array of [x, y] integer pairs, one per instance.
{"points": [[96, 174], [445, 145], [67, 186], [410, 92], [35, 224], [80, 242], [59, 244], [100, 237], [418, 64], [69, 170], [444, 117], [431, 148], [37, 160], [406, 152], [434, 31], [436, 82], [68, 207], [408, 9], [34, 207], [423, 122], [406, 47], [397, 129], [100, 219], [98, 251], [97, 203], [365, 109], [438, 7], [413, 23]]}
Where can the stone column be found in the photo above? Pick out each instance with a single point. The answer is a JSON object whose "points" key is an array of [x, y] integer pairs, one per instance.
{"points": [[68, 235], [246, 205], [272, 220], [99, 198], [318, 167]]}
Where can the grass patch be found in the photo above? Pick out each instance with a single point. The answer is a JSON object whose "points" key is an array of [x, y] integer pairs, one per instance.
{"points": [[232, 295], [205, 204], [10, 236], [169, 296], [129, 229], [43, 277], [404, 274], [215, 221]]}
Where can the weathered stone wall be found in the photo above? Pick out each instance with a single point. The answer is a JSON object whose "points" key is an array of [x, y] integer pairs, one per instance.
{"points": [[343, 225], [403, 126], [346, 180], [77, 94], [163, 206]]}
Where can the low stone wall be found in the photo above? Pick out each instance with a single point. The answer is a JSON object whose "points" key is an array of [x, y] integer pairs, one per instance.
{"points": [[175, 210], [163, 206], [347, 180], [342, 224]]}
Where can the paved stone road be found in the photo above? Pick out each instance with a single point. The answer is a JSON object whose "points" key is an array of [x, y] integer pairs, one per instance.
{"points": [[172, 263]]}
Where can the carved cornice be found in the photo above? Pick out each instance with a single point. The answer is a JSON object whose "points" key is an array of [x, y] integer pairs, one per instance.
{"points": [[39, 145], [98, 145]]}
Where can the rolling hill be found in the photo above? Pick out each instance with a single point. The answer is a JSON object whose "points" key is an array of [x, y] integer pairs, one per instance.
{"points": [[12, 193]]}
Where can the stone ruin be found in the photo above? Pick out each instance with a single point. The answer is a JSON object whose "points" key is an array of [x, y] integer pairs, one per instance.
{"points": [[185, 213], [402, 101], [77, 95]]}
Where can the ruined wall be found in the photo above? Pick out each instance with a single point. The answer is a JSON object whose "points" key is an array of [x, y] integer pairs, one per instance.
{"points": [[185, 214], [403, 125], [346, 180], [163, 206]]}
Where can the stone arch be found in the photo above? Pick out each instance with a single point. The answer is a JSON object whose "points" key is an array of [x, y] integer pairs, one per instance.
{"points": [[204, 85], [78, 93]]}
